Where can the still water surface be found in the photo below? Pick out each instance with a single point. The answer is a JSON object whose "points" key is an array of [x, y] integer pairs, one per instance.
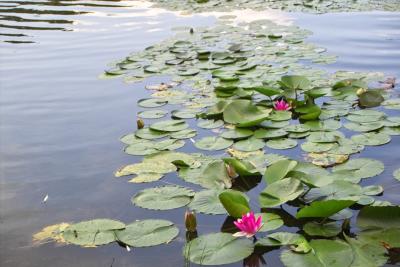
{"points": [[60, 124]]}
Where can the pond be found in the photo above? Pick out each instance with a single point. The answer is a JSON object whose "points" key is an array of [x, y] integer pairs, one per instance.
{"points": [[60, 122]]}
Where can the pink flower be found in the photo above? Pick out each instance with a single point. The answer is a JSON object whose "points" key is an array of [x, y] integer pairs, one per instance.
{"points": [[248, 225], [281, 105]]}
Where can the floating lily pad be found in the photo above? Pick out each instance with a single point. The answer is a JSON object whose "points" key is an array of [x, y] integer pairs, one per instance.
{"points": [[152, 102], [269, 133], [396, 174], [297, 128], [250, 144], [210, 124], [364, 127], [244, 113], [280, 116], [270, 221], [326, 125], [317, 147], [184, 114], [236, 203], [169, 126], [163, 198], [152, 114], [280, 192], [147, 233], [324, 208], [371, 139], [282, 143], [217, 248], [326, 230], [207, 202], [146, 178], [149, 134], [361, 167], [237, 133], [213, 143], [184, 134]]}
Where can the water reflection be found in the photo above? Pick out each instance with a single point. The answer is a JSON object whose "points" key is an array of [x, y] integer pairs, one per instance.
{"points": [[19, 18]]}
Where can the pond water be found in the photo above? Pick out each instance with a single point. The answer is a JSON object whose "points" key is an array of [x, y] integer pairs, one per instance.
{"points": [[60, 125]]}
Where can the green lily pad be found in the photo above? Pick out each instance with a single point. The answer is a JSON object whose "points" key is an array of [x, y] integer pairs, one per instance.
{"points": [[330, 229], [269, 133], [379, 217], [270, 221], [244, 113], [149, 134], [184, 134], [396, 174], [152, 102], [210, 124], [147, 177], [324, 137], [92, 233], [332, 253], [364, 127], [280, 192], [317, 147], [278, 170], [217, 249], [237, 133], [280, 116], [250, 144], [213, 143], [282, 143], [324, 208], [169, 126], [163, 198], [207, 202], [326, 125], [367, 253], [297, 128], [184, 114], [361, 167], [141, 149], [235, 203], [147, 233], [371, 139], [152, 114]]}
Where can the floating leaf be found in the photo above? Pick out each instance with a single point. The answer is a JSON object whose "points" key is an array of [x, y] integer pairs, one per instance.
{"points": [[367, 254], [152, 102], [92, 233], [295, 82], [147, 233], [324, 209], [146, 178], [184, 134], [332, 253], [244, 113], [278, 170], [152, 114], [169, 126], [250, 144], [207, 202], [379, 217], [210, 124], [213, 143], [163, 197], [282, 143], [396, 174], [364, 127], [237, 133], [270, 221], [280, 192], [236, 203], [217, 249], [317, 147], [361, 167], [149, 134], [269, 133], [371, 139], [330, 229], [50, 233], [370, 98]]}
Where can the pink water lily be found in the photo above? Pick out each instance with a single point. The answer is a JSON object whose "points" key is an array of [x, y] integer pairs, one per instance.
{"points": [[281, 105], [248, 225]]}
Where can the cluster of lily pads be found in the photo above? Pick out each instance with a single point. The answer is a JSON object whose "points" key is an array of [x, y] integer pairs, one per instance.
{"points": [[248, 90], [313, 6]]}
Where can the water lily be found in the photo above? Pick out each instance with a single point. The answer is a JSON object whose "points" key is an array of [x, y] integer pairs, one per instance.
{"points": [[281, 105], [248, 225]]}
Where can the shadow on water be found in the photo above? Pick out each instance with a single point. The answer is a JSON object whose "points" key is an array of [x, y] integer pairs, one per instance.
{"points": [[19, 18]]}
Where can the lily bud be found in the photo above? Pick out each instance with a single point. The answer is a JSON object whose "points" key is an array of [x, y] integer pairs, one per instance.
{"points": [[231, 171], [190, 221], [361, 91], [140, 123]]}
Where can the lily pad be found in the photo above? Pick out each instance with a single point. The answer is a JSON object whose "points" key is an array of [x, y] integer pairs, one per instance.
{"points": [[371, 139], [324, 208], [236, 203], [163, 198], [169, 126], [213, 143], [244, 113], [364, 127], [396, 174], [238, 133], [280, 192], [147, 233], [250, 144], [282, 143], [217, 249], [210, 124], [152, 102], [330, 229], [207, 202], [361, 167], [184, 134], [149, 134], [152, 114]]}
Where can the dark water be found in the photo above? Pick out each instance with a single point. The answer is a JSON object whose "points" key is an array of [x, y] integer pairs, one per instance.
{"points": [[60, 124]]}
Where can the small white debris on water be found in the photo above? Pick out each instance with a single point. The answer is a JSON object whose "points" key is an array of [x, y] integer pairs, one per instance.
{"points": [[45, 198], [128, 248], [192, 140]]}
